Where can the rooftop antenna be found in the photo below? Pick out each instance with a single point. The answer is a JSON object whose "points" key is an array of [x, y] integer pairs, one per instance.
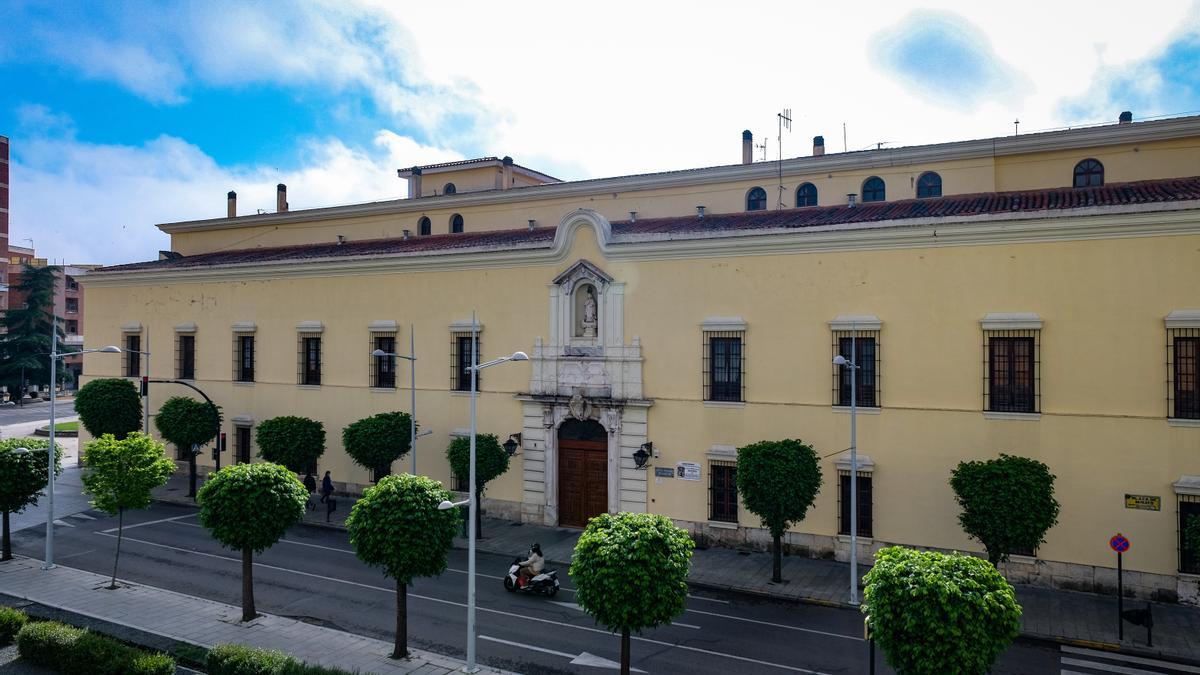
{"points": [[844, 146], [1016, 127], [762, 146], [785, 121]]}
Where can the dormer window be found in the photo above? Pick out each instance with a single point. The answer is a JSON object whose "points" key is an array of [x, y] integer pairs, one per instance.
{"points": [[873, 190], [806, 195], [756, 199], [425, 226], [1088, 173], [929, 184], [456, 224], [449, 189]]}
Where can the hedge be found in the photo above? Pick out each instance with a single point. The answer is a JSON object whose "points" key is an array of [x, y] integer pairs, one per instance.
{"points": [[232, 659], [75, 651], [11, 622]]}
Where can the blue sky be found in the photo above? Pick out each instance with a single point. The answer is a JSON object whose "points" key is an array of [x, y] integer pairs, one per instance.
{"points": [[124, 115]]}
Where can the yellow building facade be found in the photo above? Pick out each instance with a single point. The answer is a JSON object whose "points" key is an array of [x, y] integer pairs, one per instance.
{"points": [[995, 308]]}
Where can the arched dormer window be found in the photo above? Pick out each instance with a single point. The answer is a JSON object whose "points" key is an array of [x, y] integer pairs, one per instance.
{"points": [[806, 195], [456, 224], [929, 184], [873, 190], [449, 189], [756, 199], [1088, 173], [425, 226]]}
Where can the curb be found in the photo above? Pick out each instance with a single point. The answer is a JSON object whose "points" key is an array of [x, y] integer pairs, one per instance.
{"points": [[45, 431]]}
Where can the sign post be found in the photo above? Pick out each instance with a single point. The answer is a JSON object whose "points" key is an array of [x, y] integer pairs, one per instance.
{"points": [[1120, 544]]}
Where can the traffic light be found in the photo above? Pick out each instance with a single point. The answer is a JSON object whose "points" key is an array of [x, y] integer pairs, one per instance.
{"points": [[145, 386]]}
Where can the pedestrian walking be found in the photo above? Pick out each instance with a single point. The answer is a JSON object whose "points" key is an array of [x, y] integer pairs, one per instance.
{"points": [[310, 484], [326, 487]]}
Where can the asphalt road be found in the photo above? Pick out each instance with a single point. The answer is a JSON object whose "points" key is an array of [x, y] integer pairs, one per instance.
{"points": [[35, 412], [313, 575]]}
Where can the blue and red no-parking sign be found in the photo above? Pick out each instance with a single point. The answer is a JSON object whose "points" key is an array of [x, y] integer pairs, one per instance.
{"points": [[1119, 543]]}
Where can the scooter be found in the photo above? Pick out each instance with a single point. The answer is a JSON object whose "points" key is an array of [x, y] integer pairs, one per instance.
{"points": [[545, 583]]}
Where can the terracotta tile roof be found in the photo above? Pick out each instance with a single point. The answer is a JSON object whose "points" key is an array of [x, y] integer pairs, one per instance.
{"points": [[955, 206]]}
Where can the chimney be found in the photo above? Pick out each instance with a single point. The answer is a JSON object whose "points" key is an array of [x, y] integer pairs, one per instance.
{"points": [[851, 199], [231, 198], [699, 211], [633, 216], [405, 235], [747, 147], [1125, 118], [281, 205], [818, 146], [414, 183], [506, 172]]}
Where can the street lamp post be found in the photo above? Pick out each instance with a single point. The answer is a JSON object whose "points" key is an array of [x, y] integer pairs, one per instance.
{"points": [[472, 500], [51, 453], [412, 359], [853, 366]]}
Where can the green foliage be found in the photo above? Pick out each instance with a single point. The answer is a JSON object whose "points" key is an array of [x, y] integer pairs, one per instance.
{"points": [[397, 526], [109, 406], [74, 651], [121, 474], [185, 422], [630, 570], [778, 481], [491, 460], [295, 442], [11, 623], [937, 613], [1007, 503], [241, 660], [375, 442], [1191, 535], [25, 340], [23, 476], [251, 505]]}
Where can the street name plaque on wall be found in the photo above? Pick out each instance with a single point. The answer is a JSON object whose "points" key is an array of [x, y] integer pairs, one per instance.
{"points": [[1143, 502], [664, 472]]}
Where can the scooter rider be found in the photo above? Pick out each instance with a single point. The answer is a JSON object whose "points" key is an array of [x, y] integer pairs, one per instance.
{"points": [[532, 567]]}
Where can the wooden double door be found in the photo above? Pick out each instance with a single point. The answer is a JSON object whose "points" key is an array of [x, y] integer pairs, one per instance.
{"points": [[582, 472]]}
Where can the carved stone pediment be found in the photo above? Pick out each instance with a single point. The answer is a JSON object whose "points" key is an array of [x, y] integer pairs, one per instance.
{"points": [[582, 271]]}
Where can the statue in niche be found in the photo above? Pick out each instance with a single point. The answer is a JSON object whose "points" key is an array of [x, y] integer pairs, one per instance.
{"points": [[587, 312]]}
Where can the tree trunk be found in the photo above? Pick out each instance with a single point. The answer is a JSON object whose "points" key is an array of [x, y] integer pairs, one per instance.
{"points": [[7, 554], [624, 651], [479, 514], [400, 650], [248, 612], [112, 586], [191, 474], [777, 560]]}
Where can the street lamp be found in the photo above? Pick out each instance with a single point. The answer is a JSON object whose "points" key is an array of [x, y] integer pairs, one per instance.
{"points": [[472, 498], [843, 362], [411, 358], [51, 454]]}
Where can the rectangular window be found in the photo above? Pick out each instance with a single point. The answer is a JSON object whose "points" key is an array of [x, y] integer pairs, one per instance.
{"points": [[242, 445], [72, 305], [383, 368], [724, 361], [863, 349], [72, 327], [1189, 508], [1012, 371], [310, 359], [133, 357], [1183, 389], [462, 362], [722, 491], [185, 356], [243, 358], [72, 285], [865, 514], [460, 483]]}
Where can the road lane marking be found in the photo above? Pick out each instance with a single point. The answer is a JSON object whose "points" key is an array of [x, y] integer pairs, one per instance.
{"points": [[1114, 656], [150, 522], [583, 659], [1120, 670], [571, 605], [776, 625], [513, 615], [82, 515], [62, 522]]}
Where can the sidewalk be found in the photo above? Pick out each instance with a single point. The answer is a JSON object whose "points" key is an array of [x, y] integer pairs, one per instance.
{"points": [[1067, 617], [206, 623]]}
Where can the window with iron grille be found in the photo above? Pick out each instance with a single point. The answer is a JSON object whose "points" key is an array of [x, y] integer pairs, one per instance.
{"points": [[243, 357], [185, 356], [862, 347], [242, 444], [1189, 507], [722, 491], [383, 368], [1183, 388], [461, 359], [1012, 371], [865, 513], [724, 365], [460, 483], [133, 358], [72, 305], [309, 358]]}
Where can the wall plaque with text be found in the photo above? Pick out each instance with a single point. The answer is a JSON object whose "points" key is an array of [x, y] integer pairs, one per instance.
{"points": [[1143, 502]]}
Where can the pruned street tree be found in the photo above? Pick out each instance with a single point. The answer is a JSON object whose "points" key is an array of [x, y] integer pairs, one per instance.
{"points": [[1007, 503], [23, 478], [295, 442], [109, 405], [491, 461], [630, 572], [120, 475], [938, 613], [375, 442], [778, 481], [248, 508], [187, 423], [397, 526]]}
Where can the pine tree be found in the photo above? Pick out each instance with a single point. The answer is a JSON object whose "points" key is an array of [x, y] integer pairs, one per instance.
{"points": [[25, 346]]}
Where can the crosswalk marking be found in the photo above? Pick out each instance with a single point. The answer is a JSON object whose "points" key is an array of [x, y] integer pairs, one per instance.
{"points": [[1080, 661]]}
